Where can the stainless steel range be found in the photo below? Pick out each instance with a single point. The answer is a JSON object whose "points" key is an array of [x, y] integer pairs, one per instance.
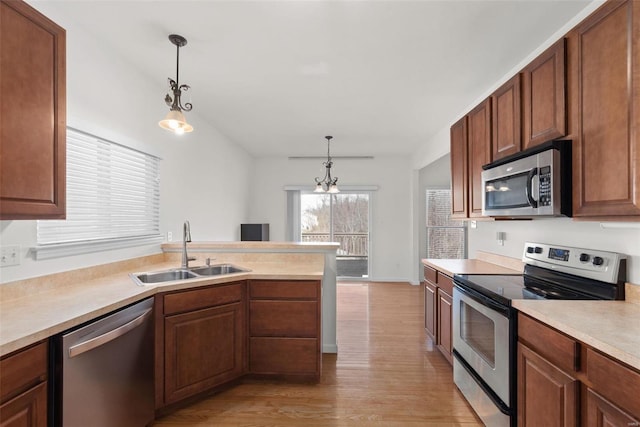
{"points": [[485, 324]]}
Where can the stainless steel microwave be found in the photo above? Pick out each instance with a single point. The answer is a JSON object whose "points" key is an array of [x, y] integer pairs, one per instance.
{"points": [[534, 182]]}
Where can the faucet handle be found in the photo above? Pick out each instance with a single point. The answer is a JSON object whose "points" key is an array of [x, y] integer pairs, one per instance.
{"points": [[208, 261]]}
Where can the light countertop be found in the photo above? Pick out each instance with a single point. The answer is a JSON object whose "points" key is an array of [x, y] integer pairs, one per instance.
{"points": [[36, 309], [467, 266], [613, 327]]}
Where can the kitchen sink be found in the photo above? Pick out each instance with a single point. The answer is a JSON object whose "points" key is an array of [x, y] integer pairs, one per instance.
{"points": [[215, 270], [175, 274], [163, 276]]}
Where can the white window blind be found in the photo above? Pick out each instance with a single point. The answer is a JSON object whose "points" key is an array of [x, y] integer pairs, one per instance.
{"points": [[113, 193]]}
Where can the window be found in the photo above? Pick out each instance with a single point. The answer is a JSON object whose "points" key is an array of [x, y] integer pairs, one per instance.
{"points": [[445, 238], [113, 195], [342, 218]]}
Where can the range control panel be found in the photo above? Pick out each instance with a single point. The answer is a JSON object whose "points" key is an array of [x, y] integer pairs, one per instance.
{"points": [[591, 263]]}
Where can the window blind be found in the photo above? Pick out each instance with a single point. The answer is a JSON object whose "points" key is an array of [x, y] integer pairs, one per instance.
{"points": [[113, 193]]}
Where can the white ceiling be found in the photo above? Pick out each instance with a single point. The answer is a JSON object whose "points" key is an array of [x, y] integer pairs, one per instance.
{"points": [[382, 77]]}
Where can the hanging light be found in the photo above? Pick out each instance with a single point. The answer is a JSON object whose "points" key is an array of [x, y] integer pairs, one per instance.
{"points": [[327, 184], [175, 120]]}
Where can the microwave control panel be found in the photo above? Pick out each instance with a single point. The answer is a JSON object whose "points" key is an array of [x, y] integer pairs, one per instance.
{"points": [[545, 186]]}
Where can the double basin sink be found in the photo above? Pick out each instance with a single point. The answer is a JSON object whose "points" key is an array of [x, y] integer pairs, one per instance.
{"points": [[176, 274]]}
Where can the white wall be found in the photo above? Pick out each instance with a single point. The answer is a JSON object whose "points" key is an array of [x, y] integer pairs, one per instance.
{"points": [[391, 228], [204, 177], [561, 231]]}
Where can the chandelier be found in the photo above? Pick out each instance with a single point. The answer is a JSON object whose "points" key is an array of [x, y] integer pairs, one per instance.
{"points": [[175, 120], [327, 184]]}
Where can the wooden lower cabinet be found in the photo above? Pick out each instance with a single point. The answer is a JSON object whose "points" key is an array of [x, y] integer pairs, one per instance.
{"points": [[558, 386], [438, 288], [23, 388], [601, 412], [430, 309], [547, 396], [284, 328], [27, 410], [203, 349], [445, 344], [200, 340]]}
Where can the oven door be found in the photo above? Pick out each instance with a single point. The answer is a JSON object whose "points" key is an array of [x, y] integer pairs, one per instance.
{"points": [[481, 337]]}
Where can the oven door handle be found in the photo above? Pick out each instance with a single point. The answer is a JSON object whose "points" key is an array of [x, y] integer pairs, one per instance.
{"points": [[529, 189], [483, 299], [487, 390]]}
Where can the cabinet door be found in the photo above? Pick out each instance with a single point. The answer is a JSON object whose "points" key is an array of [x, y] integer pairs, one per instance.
{"points": [[444, 325], [203, 349], [547, 396], [479, 153], [604, 72], [32, 114], [600, 412], [430, 309], [459, 170], [26, 410], [544, 96], [507, 111]]}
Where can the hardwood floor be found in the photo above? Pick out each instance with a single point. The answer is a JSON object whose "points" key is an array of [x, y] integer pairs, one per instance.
{"points": [[387, 373]]}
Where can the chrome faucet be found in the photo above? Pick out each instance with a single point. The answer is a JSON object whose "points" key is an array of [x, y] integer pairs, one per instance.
{"points": [[186, 237]]}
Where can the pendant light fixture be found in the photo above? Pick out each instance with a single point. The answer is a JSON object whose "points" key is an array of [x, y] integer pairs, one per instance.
{"points": [[175, 120], [327, 184]]}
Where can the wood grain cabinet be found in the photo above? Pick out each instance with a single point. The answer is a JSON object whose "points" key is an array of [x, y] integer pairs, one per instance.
{"points": [[459, 170], [563, 382], [32, 114], [479, 128], [604, 93], [506, 114], [202, 340], [430, 309], [544, 97], [284, 328], [470, 150], [23, 387], [438, 310]]}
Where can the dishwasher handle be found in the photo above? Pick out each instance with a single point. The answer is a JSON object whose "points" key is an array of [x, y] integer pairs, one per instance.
{"points": [[88, 345]]}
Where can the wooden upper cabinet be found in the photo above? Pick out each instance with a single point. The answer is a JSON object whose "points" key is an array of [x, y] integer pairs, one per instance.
{"points": [[544, 97], [507, 110], [459, 170], [32, 114], [604, 86], [479, 128]]}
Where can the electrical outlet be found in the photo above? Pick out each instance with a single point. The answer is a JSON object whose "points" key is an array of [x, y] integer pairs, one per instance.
{"points": [[169, 236], [9, 255]]}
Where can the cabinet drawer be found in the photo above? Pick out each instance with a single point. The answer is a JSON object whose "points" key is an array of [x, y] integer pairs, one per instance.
{"points": [[556, 347], [430, 274], [289, 289], [284, 318], [202, 298], [445, 283], [21, 371], [284, 356], [614, 381]]}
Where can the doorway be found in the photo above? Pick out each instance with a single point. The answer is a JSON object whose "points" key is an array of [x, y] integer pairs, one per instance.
{"points": [[342, 218]]}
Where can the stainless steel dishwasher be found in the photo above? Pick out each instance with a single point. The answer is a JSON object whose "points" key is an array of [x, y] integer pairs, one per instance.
{"points": [[104, 371]]}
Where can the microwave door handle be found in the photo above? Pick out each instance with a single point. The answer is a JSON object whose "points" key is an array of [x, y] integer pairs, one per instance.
{"points": [[529, 189]]}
